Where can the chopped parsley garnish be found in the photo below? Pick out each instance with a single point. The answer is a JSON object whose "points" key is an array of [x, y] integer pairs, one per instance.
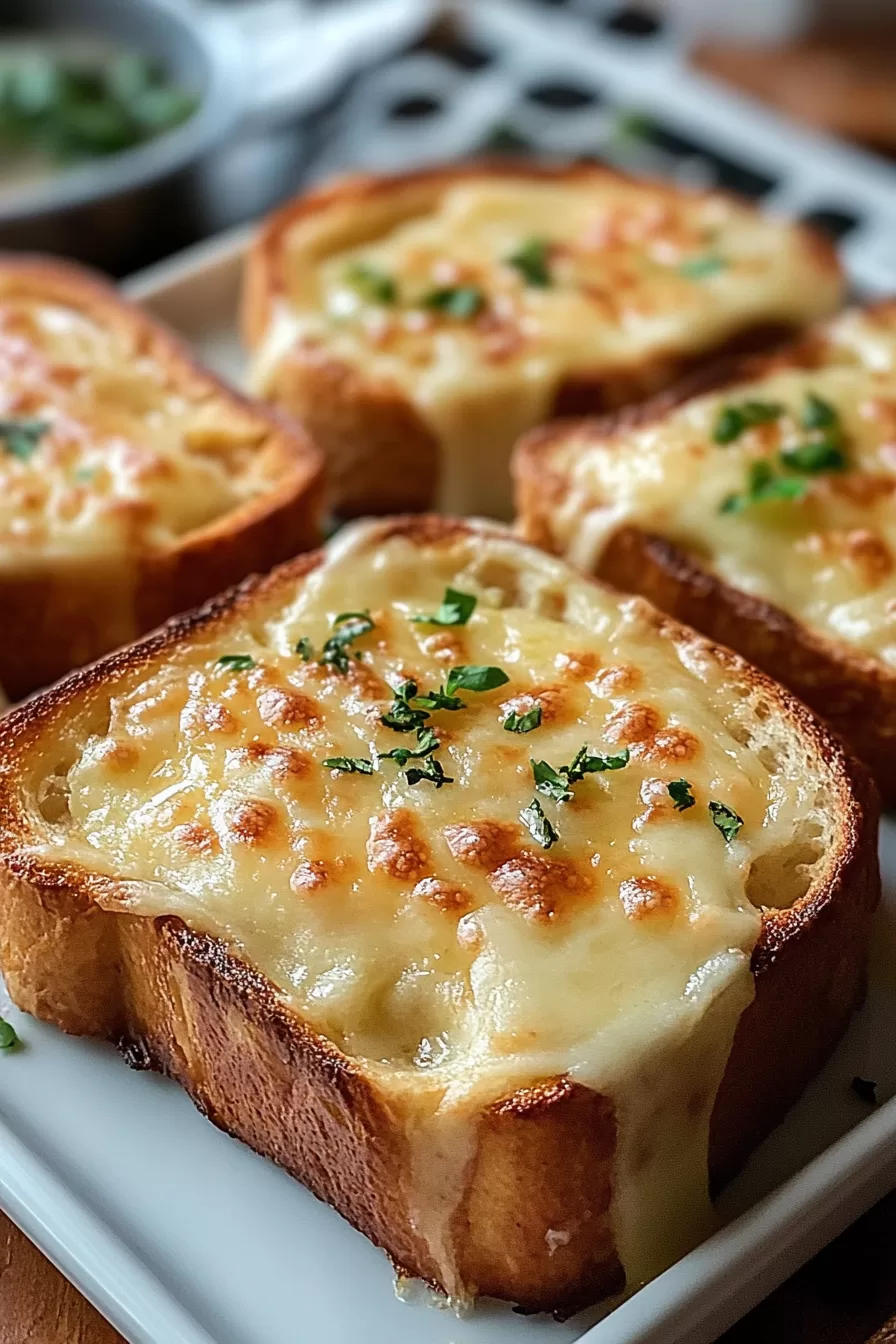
{"points": [[427, 742], [680, 793], [734, 420], [523, 723], [587, 762], [403, 717], [430, 772], [349, 765], [456, 609], [552, 783], [21, 437], [702, 267], [9, 1038], [866, 1089], [460, 301], [236, 662], [305, 649], [726, 820], [818, 413], [815, 455], [531, 260], [348, 626], [538, 825], [470, 677], [439, 700], [373, 284], [764, 484]]}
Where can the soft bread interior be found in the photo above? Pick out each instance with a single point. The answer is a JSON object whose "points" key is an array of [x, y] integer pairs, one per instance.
{"points": [[124, 448], [827, 554], [425, 929], [631, 275]]}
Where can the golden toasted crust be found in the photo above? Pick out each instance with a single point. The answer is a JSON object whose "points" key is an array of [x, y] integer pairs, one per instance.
{"points": [[60, 614], [853, 691], [544, 1155], [382, 457]]}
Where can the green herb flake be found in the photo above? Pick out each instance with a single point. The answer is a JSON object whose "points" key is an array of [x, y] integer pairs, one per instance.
{"points": [[680, 792], [531, 260], [817, 455], [734, 420], [866, 1090], [764, 485], [456, 609], [21, 437], [348, 626], [471, 677], [429, 772], [9, 1038], [726, 820], [460, 301], [523, 723], [373, 284], [439, 700], [702, 267], [585, 762], [552, 783], [818, 413], [305, 649], [403, 717], [427, 742], [541, 830], [349, 765], [236, 662]]}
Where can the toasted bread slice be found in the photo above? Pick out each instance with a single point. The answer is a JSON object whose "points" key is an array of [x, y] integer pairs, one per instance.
{"points": [[498, 970], [133, 484], [758, 505], [418, 324]]}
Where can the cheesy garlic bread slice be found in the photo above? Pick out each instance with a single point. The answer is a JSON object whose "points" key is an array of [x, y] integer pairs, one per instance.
{"points": [[760, 509], [468, 890], [418, 324], [133, 484]]}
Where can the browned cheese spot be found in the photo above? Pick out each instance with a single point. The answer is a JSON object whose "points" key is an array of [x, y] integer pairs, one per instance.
{"points": [[394, 847], [482, 844], [253, 822], [577, 666], [445, 645], [280, 708], [644, 896], [196, 837], [620, 679], [632, 723], [209, 717], [870, 556], [671, 745], [654, 793], [538, 888], [118, 756], [280, 762], [309, 876], [553, 701], [444, 895]]}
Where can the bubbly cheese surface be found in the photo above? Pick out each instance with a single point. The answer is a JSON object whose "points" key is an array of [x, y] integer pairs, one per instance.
{"points": [[103, 450], [826, 556], [425, 927], [622, 273]]}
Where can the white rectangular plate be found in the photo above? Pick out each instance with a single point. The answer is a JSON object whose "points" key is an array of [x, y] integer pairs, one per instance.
{"points": [[181, 1235]]}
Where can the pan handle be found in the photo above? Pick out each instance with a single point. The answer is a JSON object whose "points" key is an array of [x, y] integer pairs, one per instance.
{"points": [[297, 54]]}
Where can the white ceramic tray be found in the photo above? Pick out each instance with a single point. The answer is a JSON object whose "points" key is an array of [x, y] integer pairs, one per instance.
{"points": [[180, 1235]]}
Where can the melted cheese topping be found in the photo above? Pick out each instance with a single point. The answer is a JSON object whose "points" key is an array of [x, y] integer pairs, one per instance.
{"points": [[424, 929], [636, 273], [130, 456], [828, 559]]}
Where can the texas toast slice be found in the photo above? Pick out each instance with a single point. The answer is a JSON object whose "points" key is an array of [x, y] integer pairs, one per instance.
{"points": [[469, 891]]}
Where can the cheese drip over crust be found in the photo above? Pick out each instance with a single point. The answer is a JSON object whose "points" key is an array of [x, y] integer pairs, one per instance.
{"points": [[119, 454], [827, 557], [423, 928], [623, 274]]}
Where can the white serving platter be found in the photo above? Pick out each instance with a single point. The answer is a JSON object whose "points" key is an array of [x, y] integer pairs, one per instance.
{"points": [[180, 1235]]}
